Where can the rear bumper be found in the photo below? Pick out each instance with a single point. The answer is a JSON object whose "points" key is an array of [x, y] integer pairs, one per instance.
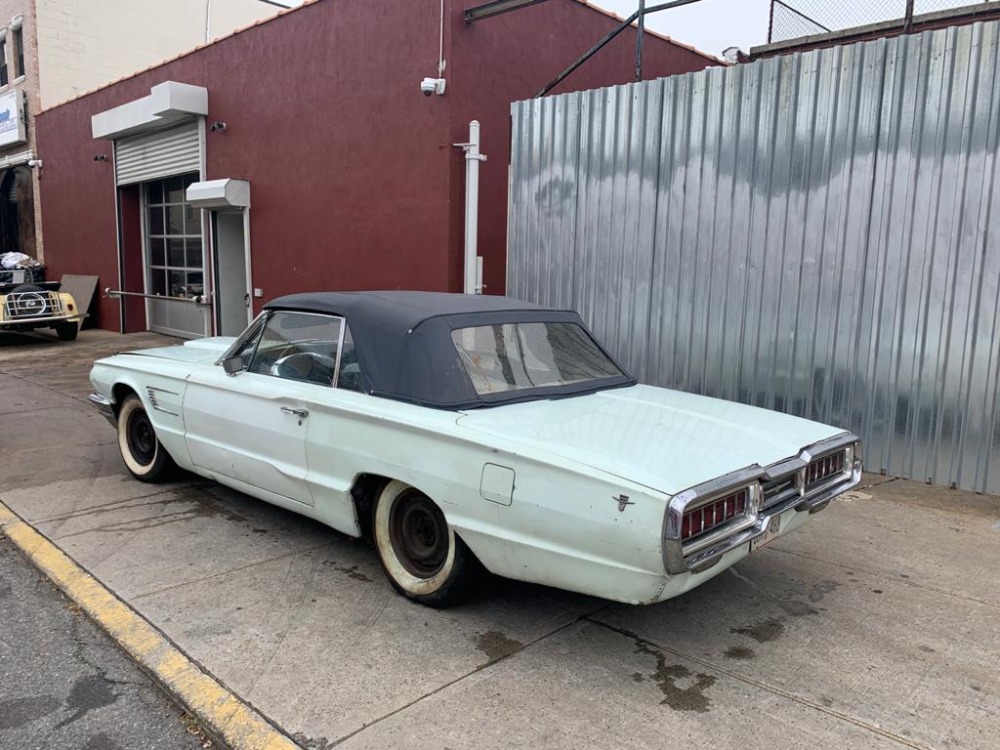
{"points": [[105, 406]]}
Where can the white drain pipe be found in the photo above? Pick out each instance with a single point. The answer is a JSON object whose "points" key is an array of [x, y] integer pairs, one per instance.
{"points": [[473, 262]]}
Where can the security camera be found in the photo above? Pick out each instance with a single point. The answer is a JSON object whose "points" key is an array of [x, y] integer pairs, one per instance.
{"points": [[432, 86], [35, 163]]}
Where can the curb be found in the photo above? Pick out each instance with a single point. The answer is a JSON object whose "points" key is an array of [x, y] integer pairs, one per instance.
{"points": [[216, 708]]}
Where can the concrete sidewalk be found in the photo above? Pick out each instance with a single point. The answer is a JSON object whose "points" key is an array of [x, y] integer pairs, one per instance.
{"points": [[872, 627]]}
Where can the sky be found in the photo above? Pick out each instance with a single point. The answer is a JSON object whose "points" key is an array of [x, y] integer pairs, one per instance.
{"points": [[709, 25]]}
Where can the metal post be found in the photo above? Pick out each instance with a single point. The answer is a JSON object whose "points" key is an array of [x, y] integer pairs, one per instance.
{"points": [[473, 283], [908, 23], [638, 40]]}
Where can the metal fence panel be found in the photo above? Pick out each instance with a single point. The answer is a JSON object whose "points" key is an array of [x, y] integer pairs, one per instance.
{"points": [[813, 233]]}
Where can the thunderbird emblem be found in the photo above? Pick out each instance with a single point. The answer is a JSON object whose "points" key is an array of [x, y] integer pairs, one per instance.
{"points": [[622, 502]]}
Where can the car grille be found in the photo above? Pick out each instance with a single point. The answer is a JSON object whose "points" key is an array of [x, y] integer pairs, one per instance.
{"points": [[712, 515], [777, 491], [823, 468], [27, 305]]}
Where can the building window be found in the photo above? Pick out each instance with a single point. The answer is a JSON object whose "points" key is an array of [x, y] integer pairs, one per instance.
{"points": [[18, 52], [175, 255], [3, 58]]}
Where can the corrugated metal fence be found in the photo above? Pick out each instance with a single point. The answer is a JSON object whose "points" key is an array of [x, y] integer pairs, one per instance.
{"points": [[813, 233]]}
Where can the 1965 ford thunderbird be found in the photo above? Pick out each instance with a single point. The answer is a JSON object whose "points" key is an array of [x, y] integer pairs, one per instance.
{"points": [[460, 431]]}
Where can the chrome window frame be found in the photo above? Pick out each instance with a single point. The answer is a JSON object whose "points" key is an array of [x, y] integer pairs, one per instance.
{"points": [[705, 551]]}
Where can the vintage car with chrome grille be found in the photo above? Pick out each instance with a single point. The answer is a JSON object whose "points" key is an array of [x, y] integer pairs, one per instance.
{"points": [[27, 307], [461, 432]]}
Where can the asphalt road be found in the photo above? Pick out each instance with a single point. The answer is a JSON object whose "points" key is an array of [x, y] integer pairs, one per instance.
{"points": [[64, 685]]}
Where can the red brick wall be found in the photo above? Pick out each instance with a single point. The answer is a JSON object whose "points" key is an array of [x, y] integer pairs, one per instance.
{"points": [[355, 183]]}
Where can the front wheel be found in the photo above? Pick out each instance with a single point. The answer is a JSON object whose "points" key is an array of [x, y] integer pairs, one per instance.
{"points": [[419, 551], [67, 331], [144, 455]]}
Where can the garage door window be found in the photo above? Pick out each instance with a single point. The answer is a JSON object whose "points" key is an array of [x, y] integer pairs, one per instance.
{"points": [[176, 265]]}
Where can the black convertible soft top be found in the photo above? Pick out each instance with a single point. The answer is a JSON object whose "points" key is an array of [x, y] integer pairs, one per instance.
{"points": [[404, 348]]}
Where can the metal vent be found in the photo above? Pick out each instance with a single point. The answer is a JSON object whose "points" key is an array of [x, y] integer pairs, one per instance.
{"points": [[153, 156]]}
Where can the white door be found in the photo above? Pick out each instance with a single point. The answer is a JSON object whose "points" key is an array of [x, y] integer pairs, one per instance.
{"points": [[232, 271], [252, 426], [247, 429]]}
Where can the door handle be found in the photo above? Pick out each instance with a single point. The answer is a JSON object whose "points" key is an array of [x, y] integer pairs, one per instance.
{"points": [[302, 413]]}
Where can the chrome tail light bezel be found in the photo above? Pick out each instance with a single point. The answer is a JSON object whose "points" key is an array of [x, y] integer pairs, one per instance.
{"points": [[705, 550]]}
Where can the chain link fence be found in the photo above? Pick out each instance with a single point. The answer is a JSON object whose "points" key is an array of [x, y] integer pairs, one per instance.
{"points": [[791, 19]]}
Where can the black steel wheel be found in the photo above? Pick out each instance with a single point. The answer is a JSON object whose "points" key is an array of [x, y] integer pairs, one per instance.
{"points": [[420, 553], [145, 457]]}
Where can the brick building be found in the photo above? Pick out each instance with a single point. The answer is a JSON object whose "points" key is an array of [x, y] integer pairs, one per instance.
{"points": [[303, 154], [54, 50]]}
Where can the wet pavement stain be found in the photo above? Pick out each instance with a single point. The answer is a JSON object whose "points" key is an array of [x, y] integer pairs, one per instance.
{"points": [[764, 631], [638, 677], [821, 589], [88, 693], [690, 698], [200, 505], [927, 650], [496, 645], [797, 608], [739, 652], [353, 572], [17, 712]]}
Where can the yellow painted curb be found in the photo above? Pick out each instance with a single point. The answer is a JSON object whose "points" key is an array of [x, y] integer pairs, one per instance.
{"points": [[217, 709]]}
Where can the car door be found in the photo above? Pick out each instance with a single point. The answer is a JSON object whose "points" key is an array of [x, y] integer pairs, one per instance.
{"points": [[251, 427]]}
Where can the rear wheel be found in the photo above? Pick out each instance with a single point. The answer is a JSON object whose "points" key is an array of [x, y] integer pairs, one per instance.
{"points": [[144, 455], [420, 553], [67, 331]]}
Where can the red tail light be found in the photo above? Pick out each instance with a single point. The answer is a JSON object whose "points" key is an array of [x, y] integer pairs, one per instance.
{"points": [[712, 515], [823, 468]]}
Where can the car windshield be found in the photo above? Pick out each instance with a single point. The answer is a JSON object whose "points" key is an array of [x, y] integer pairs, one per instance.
{"points": [[515, 356]]}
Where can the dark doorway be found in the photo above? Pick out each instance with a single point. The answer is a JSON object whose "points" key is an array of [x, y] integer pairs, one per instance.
{"points": [[17, 212]]}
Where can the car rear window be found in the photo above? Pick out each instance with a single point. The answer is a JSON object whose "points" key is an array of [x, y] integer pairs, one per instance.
{"points": [[516, 356]]}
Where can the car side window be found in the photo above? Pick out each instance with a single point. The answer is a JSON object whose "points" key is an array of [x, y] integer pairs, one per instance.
{"points": [[349, 378], [298, 346]]}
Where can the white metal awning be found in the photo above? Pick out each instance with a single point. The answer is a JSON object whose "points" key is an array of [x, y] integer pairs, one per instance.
{"points": [[219, 194]]}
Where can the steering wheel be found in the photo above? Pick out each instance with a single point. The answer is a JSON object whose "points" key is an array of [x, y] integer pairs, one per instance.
{"points": [[308, 366]]}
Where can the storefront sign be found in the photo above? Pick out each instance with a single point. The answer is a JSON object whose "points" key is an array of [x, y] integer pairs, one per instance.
{"points": [[12, 130]]}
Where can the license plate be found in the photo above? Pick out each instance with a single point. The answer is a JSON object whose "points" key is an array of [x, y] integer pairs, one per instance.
{"points": [[773, 529]]}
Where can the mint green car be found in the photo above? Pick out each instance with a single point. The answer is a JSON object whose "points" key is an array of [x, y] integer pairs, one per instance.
{"points": [[460, 433]]}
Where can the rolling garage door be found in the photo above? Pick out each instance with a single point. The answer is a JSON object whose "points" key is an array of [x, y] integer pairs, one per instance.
{"points": [[153, 156]]}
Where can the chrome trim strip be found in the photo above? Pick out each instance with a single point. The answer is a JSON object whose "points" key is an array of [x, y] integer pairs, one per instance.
{"points": [[708, 550], [105, 406]]}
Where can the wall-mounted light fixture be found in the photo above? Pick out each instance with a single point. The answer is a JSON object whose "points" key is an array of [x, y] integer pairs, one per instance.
{"points": [[100, 157], [218, 126], [35, 163]]}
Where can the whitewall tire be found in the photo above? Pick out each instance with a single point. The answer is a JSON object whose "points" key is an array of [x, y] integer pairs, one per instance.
{"points": [[420, 553], [144, 455]]}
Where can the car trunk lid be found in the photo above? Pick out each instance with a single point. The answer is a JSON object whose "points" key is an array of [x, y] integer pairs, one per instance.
{"points": [[662, 439]]}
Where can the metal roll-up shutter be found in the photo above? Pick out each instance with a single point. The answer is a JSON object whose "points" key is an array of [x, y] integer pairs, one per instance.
{"points": [[153, 156]]}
